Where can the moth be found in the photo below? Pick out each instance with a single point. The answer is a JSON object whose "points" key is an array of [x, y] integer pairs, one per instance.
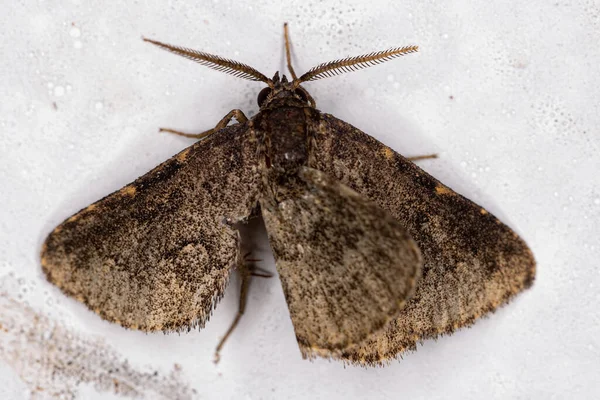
{"points": [[374, 254]]}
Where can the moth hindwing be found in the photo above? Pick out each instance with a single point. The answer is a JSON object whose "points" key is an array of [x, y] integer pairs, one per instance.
{"points": [[374, 254]]}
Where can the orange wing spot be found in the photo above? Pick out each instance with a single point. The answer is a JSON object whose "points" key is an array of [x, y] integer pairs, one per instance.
{"points": [[441, 189], [43, 253], [128, 191], [388, 153], [483, 211], [181, 157], [75, 217]]}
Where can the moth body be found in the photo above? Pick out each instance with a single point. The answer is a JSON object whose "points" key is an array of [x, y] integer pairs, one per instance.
{"points": [[374, 254]]}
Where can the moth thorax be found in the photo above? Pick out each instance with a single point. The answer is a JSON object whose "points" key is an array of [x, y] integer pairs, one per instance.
{"points": [[288, 138]]}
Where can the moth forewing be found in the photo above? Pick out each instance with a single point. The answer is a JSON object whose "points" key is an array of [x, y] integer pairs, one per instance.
{"points": [[156, 254], [472, 262]]}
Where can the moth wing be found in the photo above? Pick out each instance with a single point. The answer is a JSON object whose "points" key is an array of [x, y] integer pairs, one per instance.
{"points": [[473, 263], [347, 267], [157, 254]]}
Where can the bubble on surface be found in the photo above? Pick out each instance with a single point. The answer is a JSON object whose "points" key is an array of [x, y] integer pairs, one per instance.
{"points": [[59, 91], [75, 32]]}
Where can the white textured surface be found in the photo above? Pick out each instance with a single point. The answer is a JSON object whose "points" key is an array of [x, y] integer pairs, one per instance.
{"points": [[506, 93]]}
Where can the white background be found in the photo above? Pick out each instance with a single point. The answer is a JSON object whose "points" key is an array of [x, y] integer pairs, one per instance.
{"points": [[506, 93]]}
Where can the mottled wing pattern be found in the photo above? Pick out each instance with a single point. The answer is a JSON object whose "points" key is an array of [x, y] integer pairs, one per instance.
{"points": [[473, 263], [157, 254], [347, 267]]}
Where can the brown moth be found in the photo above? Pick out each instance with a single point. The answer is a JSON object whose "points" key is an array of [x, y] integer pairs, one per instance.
{"points": [[373, 253]]}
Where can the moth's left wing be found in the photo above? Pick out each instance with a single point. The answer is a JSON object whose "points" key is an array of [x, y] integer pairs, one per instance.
{"points": [[157, 254], [346, 266]]}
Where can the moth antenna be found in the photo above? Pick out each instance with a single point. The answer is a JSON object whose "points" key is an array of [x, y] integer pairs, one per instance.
{"points": [[337, 67], [218, 63], [288, 56]]}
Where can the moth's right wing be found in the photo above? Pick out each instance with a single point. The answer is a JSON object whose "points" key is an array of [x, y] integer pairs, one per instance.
{"points": [[347, 267], [157, 254], [473, 263]]}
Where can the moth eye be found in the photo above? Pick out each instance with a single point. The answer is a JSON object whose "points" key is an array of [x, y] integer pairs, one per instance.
{"points": [[302, 94], [262, 96]]}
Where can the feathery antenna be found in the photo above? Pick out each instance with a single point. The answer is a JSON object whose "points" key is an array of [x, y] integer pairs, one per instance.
{"points": [[349, 64], [215, 62]]}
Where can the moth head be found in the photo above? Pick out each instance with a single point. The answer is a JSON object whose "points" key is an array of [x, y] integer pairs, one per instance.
{"points": [[279, 88]]}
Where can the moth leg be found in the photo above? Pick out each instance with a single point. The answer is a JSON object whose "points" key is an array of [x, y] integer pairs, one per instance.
{"points": [[246, 276], [247, 271], [261, 273], [237, 114], [257, 271], [417, 158]]}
